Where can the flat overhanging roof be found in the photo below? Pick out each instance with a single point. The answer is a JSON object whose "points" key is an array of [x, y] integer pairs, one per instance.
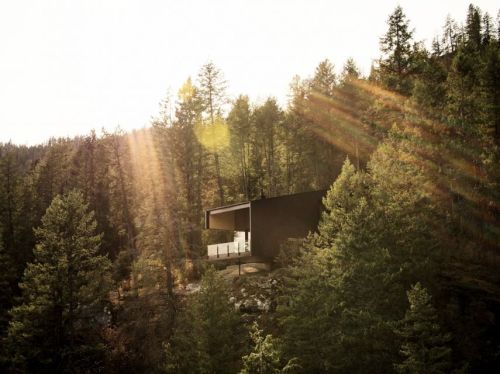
{"points": [[228, 208]]}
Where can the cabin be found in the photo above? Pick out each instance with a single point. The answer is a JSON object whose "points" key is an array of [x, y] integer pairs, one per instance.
{"points": [[261, 226]]}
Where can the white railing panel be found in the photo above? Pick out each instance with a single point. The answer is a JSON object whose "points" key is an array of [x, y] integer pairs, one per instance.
{"points": [[231, 248]]}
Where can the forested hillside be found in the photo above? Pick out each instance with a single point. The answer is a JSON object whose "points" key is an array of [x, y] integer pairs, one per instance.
{"points": [[99, 233]]}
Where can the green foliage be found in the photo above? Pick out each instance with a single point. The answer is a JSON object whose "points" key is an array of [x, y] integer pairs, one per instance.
{"points": [[369, 247], [144, 319], [425, 347], [350, 71], [342, 198], [7, 277], [121, 190], [57, 325], [212, 90], [240, 125], [396, 44], [185, 161], [490, 91], [473, 27], [265, 357], [208, 334], [429, 88], [212, 93], [268, 121], [450, 36], [324, 80], [462, 94]]}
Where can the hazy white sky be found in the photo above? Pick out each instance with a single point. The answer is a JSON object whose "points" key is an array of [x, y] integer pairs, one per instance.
{"points": [[69, 66]]}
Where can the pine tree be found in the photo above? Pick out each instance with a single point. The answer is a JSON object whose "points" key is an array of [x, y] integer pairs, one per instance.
{"points": [[350, 72], [430, 85], [335, 278], [90, 169], [7, 278], [298, 140], [450, 35], [324, 80], [266, 139], [322, 101], [212, 87], [396, 44], [489, 81], [473, 27], [208, 335], [218, 323], [488, 34], [212, 90], [143, 320], [121, 191], [265, 357], [424, 346], [9, 171], [462, 94], [371, 244], [187, 167], [240, 121], [56, 327]]}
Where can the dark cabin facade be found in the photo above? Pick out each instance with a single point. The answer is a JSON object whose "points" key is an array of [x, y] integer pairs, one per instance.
{"points": [[261, 226]]}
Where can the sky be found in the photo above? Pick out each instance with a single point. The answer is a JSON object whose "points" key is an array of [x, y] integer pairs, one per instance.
{"points": [[67, 67]]}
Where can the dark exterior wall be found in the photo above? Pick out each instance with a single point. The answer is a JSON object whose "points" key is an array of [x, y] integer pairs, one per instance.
{"points": [[242, 219], [274, 220]]}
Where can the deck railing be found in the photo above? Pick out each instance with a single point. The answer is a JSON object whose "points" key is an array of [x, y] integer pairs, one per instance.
{"points": [[229, 249]]}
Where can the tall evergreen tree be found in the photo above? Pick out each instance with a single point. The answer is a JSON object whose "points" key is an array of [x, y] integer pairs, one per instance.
{"points": [[7, 277], [265, 357], [57, 326], [473, 27], [208, 335], [212, 90], [350, 71], [121, 190], [186, 162], [425, 347], [354, 273], [450, 35], [396, 45], [430, 85], [240, 126], [143, 320], [266, 156], [324, 79]]}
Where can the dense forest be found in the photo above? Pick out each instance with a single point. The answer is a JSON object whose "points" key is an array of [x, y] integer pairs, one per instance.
{"points": [[100, 235]]}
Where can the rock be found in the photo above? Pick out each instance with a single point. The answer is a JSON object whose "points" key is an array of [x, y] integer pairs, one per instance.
{"points": [[249, 306], [264, 306], [192, 288], [237, 306], [254, 305]]}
